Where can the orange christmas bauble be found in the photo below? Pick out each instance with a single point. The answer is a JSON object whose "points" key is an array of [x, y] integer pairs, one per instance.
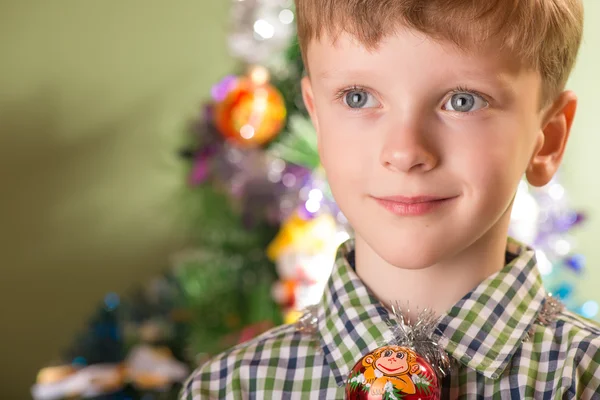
{"points": [[251, 114]]}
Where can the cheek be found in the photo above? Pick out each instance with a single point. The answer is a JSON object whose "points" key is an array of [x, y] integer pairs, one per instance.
{"points": [[383, 361], [490, 167], [344, 150], [492, 157]]}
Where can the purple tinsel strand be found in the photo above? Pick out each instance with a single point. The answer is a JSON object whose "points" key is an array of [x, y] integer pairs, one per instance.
{"points": [[200, 171]]}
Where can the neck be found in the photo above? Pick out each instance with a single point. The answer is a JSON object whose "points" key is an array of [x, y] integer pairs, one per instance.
{"points": [[439, 286]]}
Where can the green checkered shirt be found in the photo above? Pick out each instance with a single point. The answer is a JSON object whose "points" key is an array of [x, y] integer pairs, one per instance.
{"points": [[499, 334]]}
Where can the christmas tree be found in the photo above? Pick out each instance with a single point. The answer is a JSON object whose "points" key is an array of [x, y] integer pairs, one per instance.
{"points": [[265, 228]]}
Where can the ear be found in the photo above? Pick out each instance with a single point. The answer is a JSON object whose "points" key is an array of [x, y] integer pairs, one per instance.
{"points": [[368, 361], [309, 101], [415, 368], [552, 140]]}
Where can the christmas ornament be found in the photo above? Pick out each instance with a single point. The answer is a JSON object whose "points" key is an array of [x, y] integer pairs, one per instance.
{"points": [[305, 235], [409, 368], [393, 372], [253, 111], [154, 367], [304, 254], [55, 374], [146, 367], [90, 381]]}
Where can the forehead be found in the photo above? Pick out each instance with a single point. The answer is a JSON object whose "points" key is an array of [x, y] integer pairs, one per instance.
{"points": [[405, 53], [392, 349]]}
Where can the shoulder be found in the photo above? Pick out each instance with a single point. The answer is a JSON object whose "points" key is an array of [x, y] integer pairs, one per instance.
{"points": [[581, 339], [581, 333], [233, 373]]}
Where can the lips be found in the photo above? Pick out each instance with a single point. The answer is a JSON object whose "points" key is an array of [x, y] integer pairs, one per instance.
{"points": [[413, 205], [390, 369], [411, 200]]}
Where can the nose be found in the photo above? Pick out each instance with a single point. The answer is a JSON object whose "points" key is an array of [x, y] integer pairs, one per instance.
{"points": [[406, 149]]}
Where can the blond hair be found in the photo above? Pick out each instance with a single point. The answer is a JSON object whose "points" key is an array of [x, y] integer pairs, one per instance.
{"points": [[541, 34]]}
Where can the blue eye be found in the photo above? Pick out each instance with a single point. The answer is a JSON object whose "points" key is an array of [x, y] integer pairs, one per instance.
{"points": [[358, 99], [465, 102]]}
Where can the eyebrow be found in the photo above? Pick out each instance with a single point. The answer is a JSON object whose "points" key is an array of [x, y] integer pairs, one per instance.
{"points": [[499, 82], [342, 74]]}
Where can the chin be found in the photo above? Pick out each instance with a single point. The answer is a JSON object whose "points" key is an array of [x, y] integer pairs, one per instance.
{"points": [[409, 256], [404, 261]]}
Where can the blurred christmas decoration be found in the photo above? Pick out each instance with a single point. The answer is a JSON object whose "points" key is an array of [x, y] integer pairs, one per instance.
{"points": [[249, 110], [131, 346], [304, 253], [543, 218], [264, 229], [260, 29], [146, 369]]}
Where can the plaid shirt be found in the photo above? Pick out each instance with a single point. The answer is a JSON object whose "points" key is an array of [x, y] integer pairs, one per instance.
{"points": [[506, 344]]}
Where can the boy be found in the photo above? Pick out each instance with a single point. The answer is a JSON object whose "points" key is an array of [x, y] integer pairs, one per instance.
{"points": [[428, 113]]}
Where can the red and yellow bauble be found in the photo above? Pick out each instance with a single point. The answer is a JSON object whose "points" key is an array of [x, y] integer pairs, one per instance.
{"points": [[392, 372], [253, 111]]}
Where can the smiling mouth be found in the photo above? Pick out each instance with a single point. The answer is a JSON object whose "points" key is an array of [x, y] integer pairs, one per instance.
{"points": [[412, 206], [390, 369]]}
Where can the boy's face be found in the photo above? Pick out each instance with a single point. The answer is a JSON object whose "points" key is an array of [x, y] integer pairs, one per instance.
{"points": [[418, 118]]}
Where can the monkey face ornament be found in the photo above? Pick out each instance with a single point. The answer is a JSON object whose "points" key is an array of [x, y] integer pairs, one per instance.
{"points": [[392, 373]]}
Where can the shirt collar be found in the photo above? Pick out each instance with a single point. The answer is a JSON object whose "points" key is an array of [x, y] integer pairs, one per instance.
{"points": [[482, 331], [351, 321], [487, 326]]}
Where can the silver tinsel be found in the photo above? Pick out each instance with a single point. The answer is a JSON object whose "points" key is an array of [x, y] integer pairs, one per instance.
{"points": [[261, 29], [552, 307], [308, 322], [418, 335]]}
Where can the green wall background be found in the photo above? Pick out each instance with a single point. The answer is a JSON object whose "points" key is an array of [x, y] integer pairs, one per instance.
{"points": [[93, 98], [581, 167]]}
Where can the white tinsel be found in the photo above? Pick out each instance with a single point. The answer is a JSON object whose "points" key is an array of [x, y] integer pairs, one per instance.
{"points": [[261, 29]]}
